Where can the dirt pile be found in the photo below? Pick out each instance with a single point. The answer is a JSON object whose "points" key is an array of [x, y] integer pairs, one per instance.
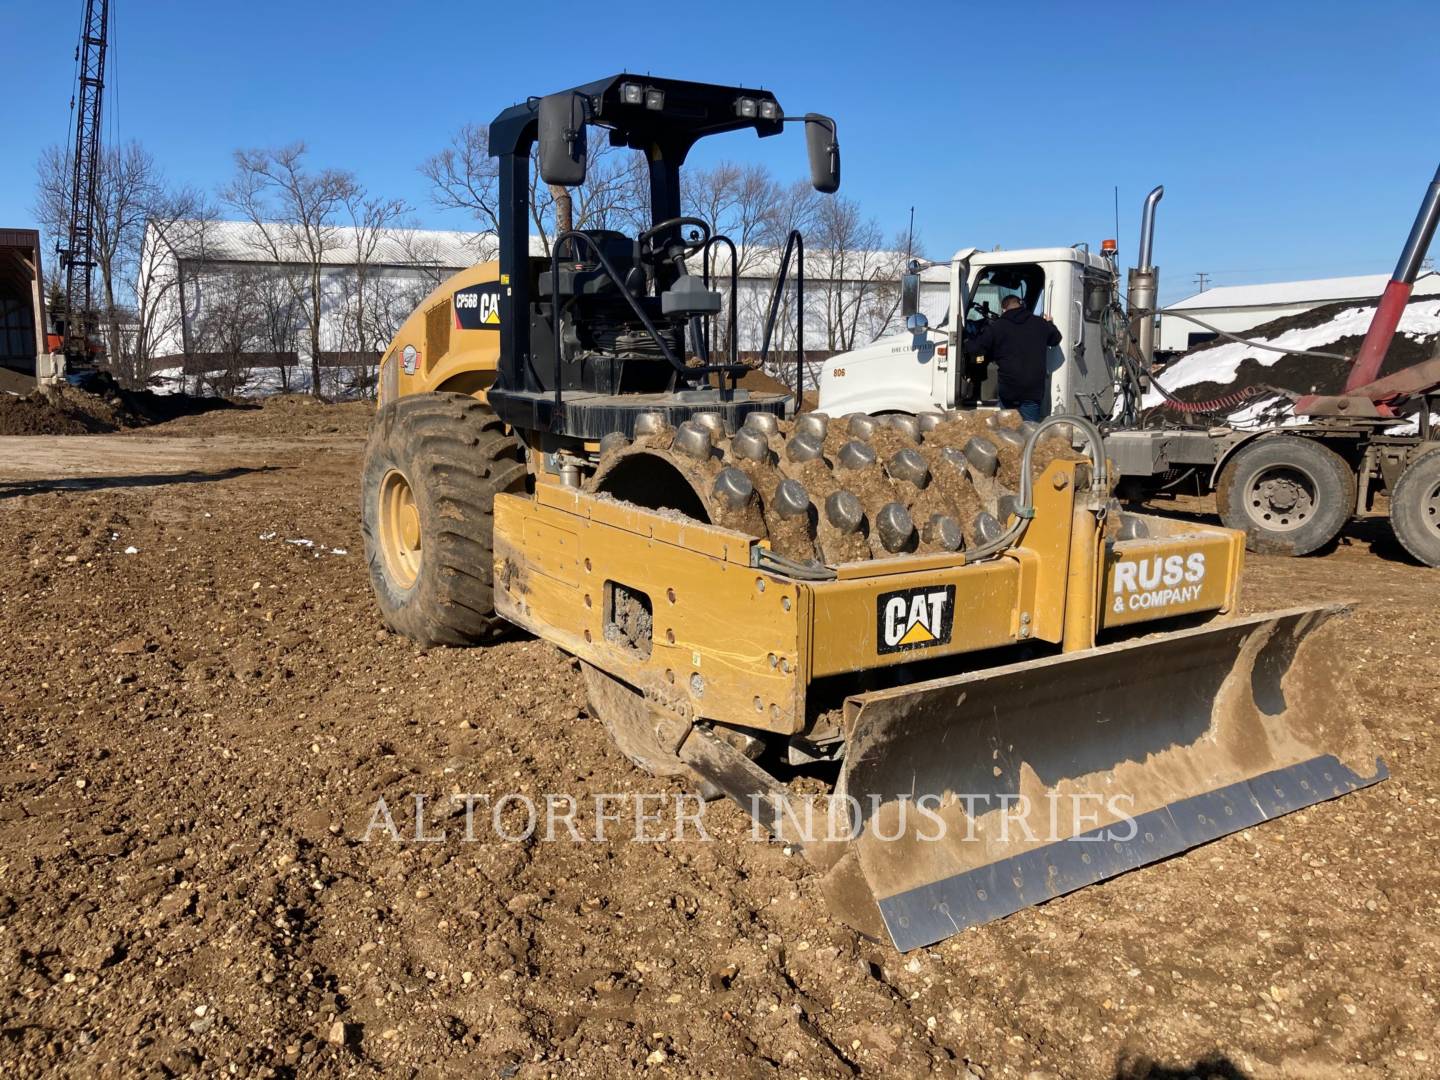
{"points": [[61, 411], [1295, 371], [278, 415], [68, 410]]}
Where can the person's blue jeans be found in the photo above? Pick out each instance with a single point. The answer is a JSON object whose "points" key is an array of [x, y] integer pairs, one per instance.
{"points": [[1028, 410]]}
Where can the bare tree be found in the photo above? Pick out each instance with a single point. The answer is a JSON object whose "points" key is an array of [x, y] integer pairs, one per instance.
{"points": [[281, 320], [616, 192], [226, 329], [615, 195], [296, 213], [177, 224], [738, 201], [794, 208], [371, 218], [127, 183], [464, 176], [852, 264], [883, 307]]}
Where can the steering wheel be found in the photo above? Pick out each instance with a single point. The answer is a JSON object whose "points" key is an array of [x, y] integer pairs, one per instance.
{"points": [[652, 252]]}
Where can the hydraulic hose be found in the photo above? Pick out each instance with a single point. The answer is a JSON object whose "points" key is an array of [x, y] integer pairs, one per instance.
{"points": [[1100, 481], [765, 559], [1229, 401], [1213, 405]]}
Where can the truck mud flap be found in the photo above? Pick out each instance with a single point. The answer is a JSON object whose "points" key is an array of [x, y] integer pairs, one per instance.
{"points": [[972, 797]]}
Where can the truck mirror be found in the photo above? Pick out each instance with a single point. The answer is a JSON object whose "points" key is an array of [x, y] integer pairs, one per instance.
{"points": [[909, 293], [562, 139], [823, 145]]}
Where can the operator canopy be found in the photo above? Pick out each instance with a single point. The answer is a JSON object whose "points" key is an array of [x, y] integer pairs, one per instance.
{"points": [[663, 117]]}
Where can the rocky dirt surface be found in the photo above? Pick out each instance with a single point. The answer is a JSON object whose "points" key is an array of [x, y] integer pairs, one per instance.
{"points": [[199, 710]]}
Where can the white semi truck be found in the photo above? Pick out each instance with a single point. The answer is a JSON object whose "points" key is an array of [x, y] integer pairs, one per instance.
{"points": [[1369, 451], [924, 369]]}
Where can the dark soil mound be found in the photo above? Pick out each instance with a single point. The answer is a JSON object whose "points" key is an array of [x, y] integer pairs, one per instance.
{"points": [[1305, 320], [66, 410], [1307, 374]]}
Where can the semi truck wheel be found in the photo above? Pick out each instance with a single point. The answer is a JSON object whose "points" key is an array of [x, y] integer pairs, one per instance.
{"points": [[1288, 495], [1415, 509], [433, 466]]}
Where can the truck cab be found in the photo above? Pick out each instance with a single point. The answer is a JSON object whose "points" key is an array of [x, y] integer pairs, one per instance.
{"points": [[925, 369]]}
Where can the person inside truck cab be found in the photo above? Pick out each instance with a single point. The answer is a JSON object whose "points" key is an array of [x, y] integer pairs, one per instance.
{"points": [[1018, 343]]}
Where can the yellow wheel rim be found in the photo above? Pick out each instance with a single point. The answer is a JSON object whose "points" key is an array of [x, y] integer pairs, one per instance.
{"points": [[400, 529]]}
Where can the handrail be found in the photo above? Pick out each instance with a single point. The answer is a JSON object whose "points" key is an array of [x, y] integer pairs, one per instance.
{"points": [[734, 294], [793, 243]]}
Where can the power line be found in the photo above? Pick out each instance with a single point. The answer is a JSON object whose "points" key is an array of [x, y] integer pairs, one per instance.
{"points": [[1202, 279]]}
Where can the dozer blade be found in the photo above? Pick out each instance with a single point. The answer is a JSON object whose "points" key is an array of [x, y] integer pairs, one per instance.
{"points": [[1041, 778]]}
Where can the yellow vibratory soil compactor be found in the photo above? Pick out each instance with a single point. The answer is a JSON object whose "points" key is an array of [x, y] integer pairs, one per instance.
{"points": [[1015, 689]]}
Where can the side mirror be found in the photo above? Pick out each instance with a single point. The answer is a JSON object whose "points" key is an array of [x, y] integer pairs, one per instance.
{"points": [[562, 139], [909, 292], [823, 146], [916, 323]]}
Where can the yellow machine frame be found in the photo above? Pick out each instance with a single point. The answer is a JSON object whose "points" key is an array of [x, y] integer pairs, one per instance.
{"points": [[738, 645]]}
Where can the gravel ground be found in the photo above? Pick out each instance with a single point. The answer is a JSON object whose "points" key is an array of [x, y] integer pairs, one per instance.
{"points": [[200, 712]]}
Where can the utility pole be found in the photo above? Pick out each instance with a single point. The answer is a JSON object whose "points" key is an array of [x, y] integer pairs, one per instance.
{"points": [[1202, 279]]}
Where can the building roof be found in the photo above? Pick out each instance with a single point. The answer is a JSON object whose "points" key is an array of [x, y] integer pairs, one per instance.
{"points": [[1315, 291], [245, 241], [21, 238]]}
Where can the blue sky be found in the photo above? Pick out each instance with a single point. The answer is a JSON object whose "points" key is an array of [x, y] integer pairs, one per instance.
{"points": [[1294, 139]]}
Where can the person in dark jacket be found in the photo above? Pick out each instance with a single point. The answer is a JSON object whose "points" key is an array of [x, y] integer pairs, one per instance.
{"points": [[1018, 342]]}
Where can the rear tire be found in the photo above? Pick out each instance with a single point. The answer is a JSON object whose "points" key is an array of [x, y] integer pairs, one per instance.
{"points": [[433, 466], [1415, 509], [1289, 495]]}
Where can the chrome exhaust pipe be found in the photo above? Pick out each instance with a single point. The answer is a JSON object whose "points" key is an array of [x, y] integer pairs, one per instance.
{"points": [[1147, 227], [1144, 284]]}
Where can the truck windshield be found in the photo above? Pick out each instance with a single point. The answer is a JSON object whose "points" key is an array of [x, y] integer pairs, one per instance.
{"points": [[995, 283]]}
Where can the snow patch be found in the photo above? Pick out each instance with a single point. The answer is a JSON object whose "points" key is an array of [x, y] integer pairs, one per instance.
{"points": [[342, 383]]}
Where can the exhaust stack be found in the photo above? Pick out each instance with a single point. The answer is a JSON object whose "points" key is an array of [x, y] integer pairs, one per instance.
{"points": [[1397, 293], [1144, 283]]}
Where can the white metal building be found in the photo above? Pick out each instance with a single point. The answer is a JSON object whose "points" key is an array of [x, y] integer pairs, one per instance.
{"points": [[190, 271], [1238, 308]]}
